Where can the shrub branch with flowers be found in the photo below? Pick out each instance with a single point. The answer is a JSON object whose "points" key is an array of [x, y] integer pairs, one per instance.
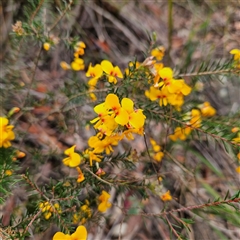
{"points": [[147, 101]]}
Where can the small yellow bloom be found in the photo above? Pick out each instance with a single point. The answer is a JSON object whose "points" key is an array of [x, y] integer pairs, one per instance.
{"points": [[237, 139], [47, 209], [95, 73], [46, 46], [153, 143], [166, 196], [92, 95], [104, 205], [180, 133], [238, 169], [77, 64], [235, 129], [65, 66], [112, 72], [80, 175], [79, 234], [160, 179], [158, 94], [196, 118], [73, 158], [207, 110], [79, 49], [158, 156], [92, 155], [131, 65], [20, 154], [8, 172], [236, 53], [158, 53], [6, 133]]}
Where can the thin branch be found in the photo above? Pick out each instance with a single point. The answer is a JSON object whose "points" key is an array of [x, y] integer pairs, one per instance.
{"points": [[36, 10], [100, 179], [194, 74], [31, 222], [190, 208], [172, 228], [33, 185], [61, 16]]}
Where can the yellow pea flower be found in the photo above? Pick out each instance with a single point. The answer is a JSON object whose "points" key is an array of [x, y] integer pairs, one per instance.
{"points": [[135, 118], [47, 209], [6, 133], [95, 73], [161, 94], [158, 156], [79, 234], [112, 102], [65, 66], [207, 110], [180, 133], [166, 73], [104, 203], [8, 172], [156, 147], [166, 196], [237, 139], [79, 49], [106, 144], [236, 53], [77, 64], [235, 129], [112, 72], [80, 175], [196, 118], [73, 158], [130, 64], [46, 46], [158, 53]]}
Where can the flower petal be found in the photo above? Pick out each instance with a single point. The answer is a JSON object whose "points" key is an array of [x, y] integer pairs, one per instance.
{"points": [[127, 104], [107, 66], [75, 160]]}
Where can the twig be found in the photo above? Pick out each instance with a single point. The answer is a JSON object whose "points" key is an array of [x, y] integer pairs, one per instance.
{"points": [[172, 228], [236, 200], [36, 11], [61, 16], [33, 185], [194, 74], [31, 222], [34, 14], [100, 179]]}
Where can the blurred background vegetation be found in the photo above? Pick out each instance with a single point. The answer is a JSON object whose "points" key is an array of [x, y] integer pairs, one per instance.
{"points": [[192, 32]]}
